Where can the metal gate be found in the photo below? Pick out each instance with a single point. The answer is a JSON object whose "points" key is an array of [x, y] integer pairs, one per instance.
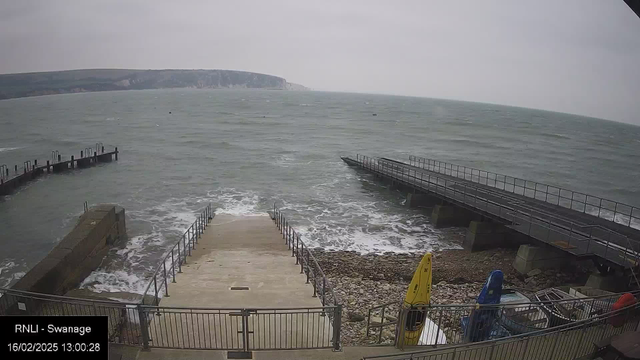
{"points": [[241, 330]]}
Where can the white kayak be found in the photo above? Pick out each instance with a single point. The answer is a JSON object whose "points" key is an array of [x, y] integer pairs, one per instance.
{"points": [[430, 333]]}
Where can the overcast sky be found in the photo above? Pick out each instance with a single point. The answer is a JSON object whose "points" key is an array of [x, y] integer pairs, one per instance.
{"points": [[579, 56]]}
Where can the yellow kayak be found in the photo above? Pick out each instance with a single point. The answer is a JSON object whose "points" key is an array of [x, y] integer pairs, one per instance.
{"points": [[418, 294]]}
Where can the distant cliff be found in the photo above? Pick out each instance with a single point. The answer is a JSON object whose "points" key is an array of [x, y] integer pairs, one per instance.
{"points": [[73, 81]]}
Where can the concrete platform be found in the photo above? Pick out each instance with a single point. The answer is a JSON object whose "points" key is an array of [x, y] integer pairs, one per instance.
{"points": [[241, 252], [349, 352], [240, 263]]}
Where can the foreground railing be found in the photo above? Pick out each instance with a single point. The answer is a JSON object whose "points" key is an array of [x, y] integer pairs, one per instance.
{"points": [[457, 324], [243, 330], [570, 341], [238, 329], [575, 237], [594, 205], [124, 318], [172, 261]]}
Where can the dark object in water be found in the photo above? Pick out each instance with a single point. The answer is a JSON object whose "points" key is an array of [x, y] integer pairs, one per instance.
{"points": [[169, 112], [374, 114]]}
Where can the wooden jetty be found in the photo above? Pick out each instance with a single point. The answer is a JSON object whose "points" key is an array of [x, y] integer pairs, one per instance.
{"points": [[11, 180]]}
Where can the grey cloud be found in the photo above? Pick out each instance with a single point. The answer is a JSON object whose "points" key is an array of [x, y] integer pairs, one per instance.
{"points": [[577, 56]]}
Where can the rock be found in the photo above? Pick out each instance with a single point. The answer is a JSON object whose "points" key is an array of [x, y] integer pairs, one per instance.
{"points": [[387, 334], [471, 295], [530, 281], [390, 318], [355, 317], [534, 272]]}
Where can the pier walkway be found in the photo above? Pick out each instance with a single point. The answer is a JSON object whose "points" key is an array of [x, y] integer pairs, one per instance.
{"points": [[580, 224]]}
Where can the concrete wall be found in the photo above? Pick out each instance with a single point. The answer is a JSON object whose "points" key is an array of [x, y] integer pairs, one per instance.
{"points": [[531, 257], [79, 253]]}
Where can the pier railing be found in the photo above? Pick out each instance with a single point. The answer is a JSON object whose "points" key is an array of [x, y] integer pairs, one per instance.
{"points": [[570, 341], [611, 210], [576, 238], [174, 258]]}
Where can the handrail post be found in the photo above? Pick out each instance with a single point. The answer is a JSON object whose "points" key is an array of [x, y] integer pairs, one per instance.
{"points": [[324, 286], [337, 324], [164, 277], [142, 319], [302, 259], [155, 290], [179, 257], [173, 266], [307, 267], [293, 245]]}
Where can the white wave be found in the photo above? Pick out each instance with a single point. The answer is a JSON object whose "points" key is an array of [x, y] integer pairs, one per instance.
{"points": [[9, 149], [168, 221], [119, 280], [285, 160], [8, 275], [623, 219], [234, 202], [363, 227]]}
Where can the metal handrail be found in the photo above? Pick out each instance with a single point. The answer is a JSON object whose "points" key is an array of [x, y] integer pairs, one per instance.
{"points": [[309, 266], [299, 249], [176, 258], [538, 188], [450, 187], [60, 298], [236, 308]]}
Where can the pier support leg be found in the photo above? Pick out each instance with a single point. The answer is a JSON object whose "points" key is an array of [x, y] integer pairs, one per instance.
{"points": [[485, 235], [531, 257], [610, 282], [448, 215]]}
